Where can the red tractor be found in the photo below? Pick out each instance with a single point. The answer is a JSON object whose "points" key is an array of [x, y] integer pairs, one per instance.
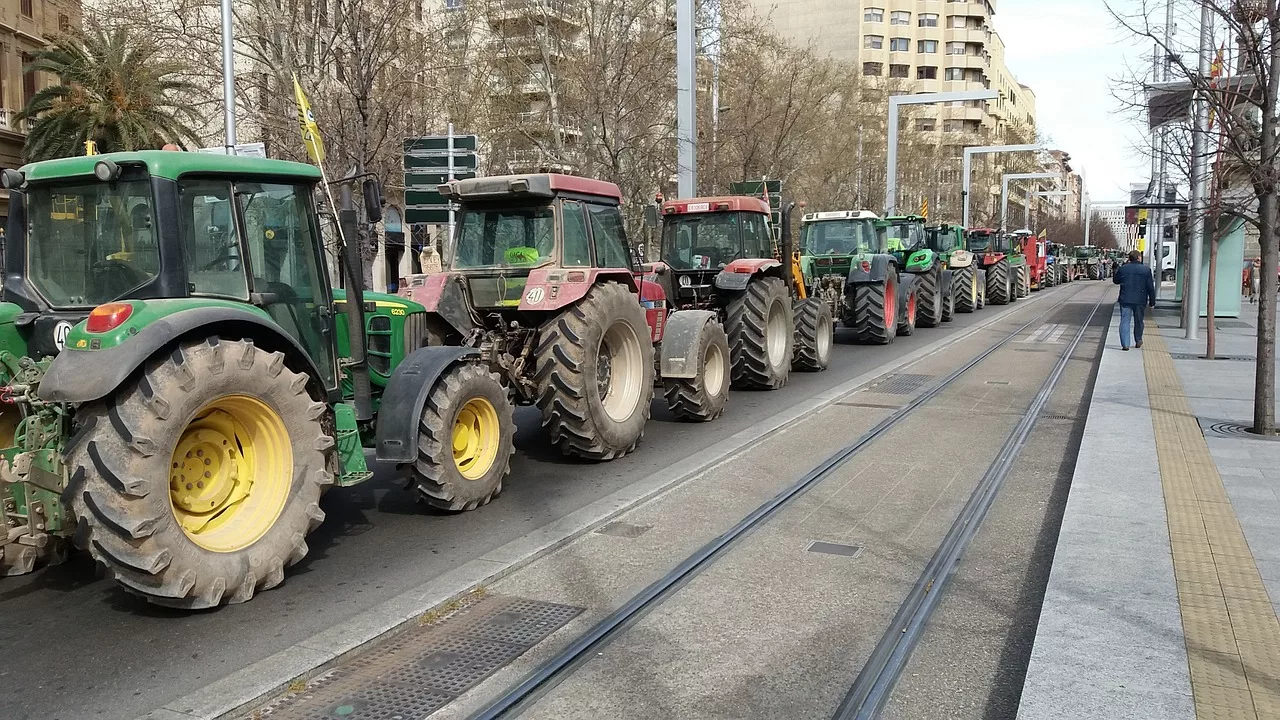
{"points": [[718, 255], [1033, 248], [994, 253], [540, 283]]}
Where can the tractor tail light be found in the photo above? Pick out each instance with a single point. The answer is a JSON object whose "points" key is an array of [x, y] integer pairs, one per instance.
{"points": [[866, 266], [105, 318]]}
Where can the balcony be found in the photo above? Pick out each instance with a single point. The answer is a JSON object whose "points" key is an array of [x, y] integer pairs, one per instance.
{"points": [[977, 62], [535, 161], [541, 12], [540, 120], [536, 46], [979, 36], [9, 124]]}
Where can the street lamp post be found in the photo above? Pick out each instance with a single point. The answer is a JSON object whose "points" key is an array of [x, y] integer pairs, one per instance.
{"points": [[228, 78], [895, 103], [1004, 190], [967, 172], [686, 118]]}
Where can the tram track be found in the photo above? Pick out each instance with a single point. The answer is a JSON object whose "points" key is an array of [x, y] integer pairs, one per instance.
{"points": [[551, 672]]}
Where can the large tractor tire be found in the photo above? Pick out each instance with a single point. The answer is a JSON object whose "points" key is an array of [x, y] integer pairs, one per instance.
{"points": [[1049, 277], [1022, 282], [999, 284], [965, 282], [702, 398], [814, 332], [465, 440], [875, 311], [761, 336], [949, 307], [930, 299], [244, 451], [1095, 272], [910, 314], [595, 374]]}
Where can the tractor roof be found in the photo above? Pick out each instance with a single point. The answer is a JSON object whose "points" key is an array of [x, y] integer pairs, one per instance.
{"points": [[905, 218], [542, 185], [984, 231], [717, 203], [841, 215], [169, 164]]}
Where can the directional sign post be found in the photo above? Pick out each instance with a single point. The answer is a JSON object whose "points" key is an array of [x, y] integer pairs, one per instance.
{"points": [[430, 162]]}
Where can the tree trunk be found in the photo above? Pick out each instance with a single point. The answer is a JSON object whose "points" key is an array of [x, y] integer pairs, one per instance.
{"points": [[1210, 329], [1264, 381]]}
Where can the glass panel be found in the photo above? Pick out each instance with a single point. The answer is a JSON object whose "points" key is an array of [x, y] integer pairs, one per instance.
{"points": [[577, 250], [703, 241], [610, 238], [506, 238], [209, 240], [835, 237], [91, 243], [284, 258], [756, 242]]}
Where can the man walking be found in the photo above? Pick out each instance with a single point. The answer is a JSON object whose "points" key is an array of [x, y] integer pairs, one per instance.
{"points": [[1137, 290]]}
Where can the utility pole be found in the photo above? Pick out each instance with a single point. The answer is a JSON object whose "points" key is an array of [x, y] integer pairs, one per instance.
{"points": [[686, 102], [1199, 179], [228, 78]]}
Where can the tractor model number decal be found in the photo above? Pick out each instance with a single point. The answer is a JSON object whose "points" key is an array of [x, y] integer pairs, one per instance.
{"points": [[397, 311], [60, 332], [535, 295]]}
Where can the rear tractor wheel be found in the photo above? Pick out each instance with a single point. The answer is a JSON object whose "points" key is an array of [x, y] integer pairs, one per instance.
{"points": [[761, 335], [465, 440], [998, 284], [814, 332], [595, 374], [949, 309], [242, 446], [702, 398], [931, 301], [875, 311], [911, 315], [965, 283]]}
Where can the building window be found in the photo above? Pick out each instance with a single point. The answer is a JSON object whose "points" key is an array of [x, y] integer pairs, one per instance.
{"points": [[900, 45], [955, 48], [899, 71], [927, 46], [955, 73], [928, 20], [25, 7], [926, 72], [926, 124], [64, 24], [873, 42], [453, 4], [872, 68], [952, 126], [900, 17], [873, 15], [957, 21], [28, 81]]}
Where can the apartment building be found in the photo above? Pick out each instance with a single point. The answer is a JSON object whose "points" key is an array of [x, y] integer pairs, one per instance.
{"points": [[925, 45], [25, 27]]}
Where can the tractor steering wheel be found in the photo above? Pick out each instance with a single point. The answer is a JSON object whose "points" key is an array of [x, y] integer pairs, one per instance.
{"points": [[113, 278]]}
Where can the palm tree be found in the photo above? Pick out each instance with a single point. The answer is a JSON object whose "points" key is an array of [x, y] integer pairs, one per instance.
{"points": [[112, 89]]}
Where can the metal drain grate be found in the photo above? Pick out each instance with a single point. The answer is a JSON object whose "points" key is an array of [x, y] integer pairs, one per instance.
{"points": [[997, 382], [1197, 356], [617, 528], [1226, 428], [903, 384], [827, 548], [1039, 350], [1233, 324], [880, 406], [424, 669]]}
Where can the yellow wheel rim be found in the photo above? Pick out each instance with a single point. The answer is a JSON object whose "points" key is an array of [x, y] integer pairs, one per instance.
{"points": [[475, 438], [230, 474]]}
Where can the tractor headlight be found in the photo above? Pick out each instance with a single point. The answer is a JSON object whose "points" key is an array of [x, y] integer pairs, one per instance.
{"points": [[106, 171]]}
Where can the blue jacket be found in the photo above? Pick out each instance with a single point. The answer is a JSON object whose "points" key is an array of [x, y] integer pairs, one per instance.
{"points": [[1137, 285]]}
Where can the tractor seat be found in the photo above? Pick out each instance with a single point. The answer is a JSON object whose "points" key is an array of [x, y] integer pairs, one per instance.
{"points": [[712, 252]]}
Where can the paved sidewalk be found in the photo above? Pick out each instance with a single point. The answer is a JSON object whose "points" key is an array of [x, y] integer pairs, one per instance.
{"points": [[1159, 604]]}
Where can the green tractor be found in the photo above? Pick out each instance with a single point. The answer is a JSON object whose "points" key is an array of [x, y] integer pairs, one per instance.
{"points": [[1006, 268], [845, 261], [182, 384], [910, 244], [1089, 261], [968, 280]]}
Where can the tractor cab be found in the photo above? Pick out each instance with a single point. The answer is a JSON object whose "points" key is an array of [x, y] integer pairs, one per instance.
{"points": [[830, 241], [944, 238], [163, 230], [703, 237], [903, 233], [988, 241]]}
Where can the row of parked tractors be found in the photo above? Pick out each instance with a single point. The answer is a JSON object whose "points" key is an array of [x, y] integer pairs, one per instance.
{"points": [[182, 382]]}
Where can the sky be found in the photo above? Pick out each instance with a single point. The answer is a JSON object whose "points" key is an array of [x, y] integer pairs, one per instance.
{"points": [[1071, 52]]}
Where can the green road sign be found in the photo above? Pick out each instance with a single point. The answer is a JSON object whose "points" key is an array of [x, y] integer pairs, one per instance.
{"points": [[430, 180], [424, 198], [439, 143], [460, 160], [415, 216]]}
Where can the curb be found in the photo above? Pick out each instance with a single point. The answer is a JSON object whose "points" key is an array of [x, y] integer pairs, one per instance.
{"points": [[272, 675]]}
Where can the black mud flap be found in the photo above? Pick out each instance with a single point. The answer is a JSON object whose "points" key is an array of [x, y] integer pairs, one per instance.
{"points": [[681, 341], [406, 396]]}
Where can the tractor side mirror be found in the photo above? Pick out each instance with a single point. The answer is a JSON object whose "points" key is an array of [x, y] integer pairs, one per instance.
{"points": [[373, 200], [651, 215]]}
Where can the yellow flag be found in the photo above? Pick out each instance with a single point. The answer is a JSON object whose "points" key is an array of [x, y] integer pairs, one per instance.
{"points": [[307, 122]]}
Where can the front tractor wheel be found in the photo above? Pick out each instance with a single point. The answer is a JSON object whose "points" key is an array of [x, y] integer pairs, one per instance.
{"points": [[196, 484], [761, 335], [999, 284], [465, 440], [965, 283], [949, 308], [814, 332], [932, 302], [875, 310], [911, 313], [595, 374], [702, 398]]}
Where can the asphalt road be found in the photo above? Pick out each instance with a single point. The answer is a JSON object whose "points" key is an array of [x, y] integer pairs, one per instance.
{"points": [[74, 646]]}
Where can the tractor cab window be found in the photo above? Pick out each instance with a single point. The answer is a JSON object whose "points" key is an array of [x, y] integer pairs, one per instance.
{"points": [[283, 250], [610, 237], [939, 239], [756, 240], [577, 250], [981, 242], [91, 243], [701, 241], [210, 242], [904, 236], [508, 237], [836, 237]]}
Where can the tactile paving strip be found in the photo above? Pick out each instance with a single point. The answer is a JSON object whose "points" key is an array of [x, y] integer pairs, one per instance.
{"points": [[423, 669], [1232, 632]]}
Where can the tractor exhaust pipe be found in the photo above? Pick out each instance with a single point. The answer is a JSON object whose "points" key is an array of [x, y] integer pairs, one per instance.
{"points": [[353, 264], [788, 247]]}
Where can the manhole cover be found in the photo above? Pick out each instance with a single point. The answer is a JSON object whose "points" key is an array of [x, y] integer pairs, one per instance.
{"points": [[997, 382], [1227, 428], [1233, 324], [617, 528], [903, 384], [827, 548]]}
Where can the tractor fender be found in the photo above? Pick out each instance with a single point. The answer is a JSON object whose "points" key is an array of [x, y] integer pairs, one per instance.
{"points": [[738, 274], [555, 288], [80, 376], [680, 343], [960, 259], [445, 295], [946, 281], [406, 396], [921, 261], [906, 285], [877, 272]]}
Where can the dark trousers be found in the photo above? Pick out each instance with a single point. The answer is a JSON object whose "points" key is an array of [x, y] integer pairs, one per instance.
{"points": [[1131, 314]]}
